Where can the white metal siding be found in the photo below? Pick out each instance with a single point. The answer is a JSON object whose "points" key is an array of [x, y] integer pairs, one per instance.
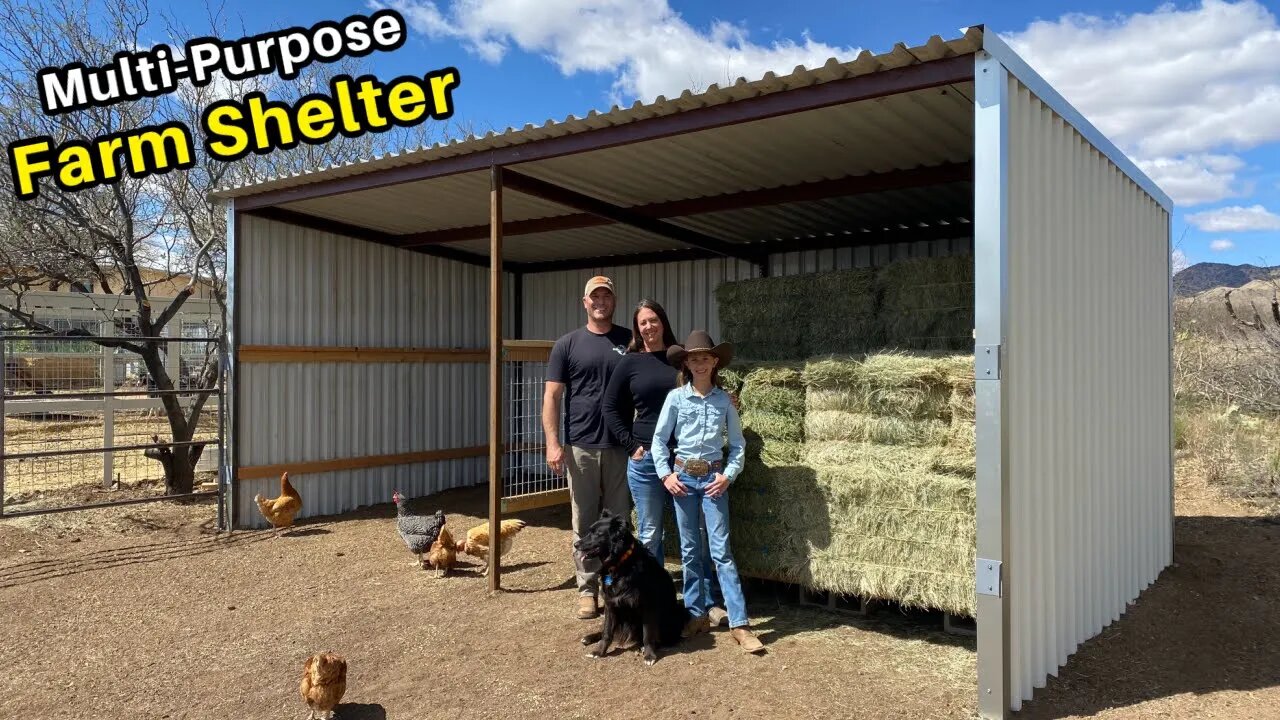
{"points": [[686, 290], [1086, 376], [303, 287], [867, 256]]}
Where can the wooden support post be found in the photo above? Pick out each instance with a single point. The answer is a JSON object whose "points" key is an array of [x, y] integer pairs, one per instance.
{"points": [[108, 328], [495, 376]]}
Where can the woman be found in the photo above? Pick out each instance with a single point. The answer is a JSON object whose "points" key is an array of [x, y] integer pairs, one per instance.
{"points": [[636, 392], [637, 388]]}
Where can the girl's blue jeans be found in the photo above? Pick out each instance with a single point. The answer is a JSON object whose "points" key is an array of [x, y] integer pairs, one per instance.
{"points": [[651, 500], [692, 511]]}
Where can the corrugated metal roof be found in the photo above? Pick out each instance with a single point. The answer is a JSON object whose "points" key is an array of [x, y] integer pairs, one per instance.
{"points": [[865, 64]]}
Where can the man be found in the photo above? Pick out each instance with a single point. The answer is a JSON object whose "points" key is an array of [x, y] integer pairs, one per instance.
{"points": [[579, 369]]}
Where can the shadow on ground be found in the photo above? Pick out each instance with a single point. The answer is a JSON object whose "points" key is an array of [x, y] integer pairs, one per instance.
{"points": [[1211, 623]]}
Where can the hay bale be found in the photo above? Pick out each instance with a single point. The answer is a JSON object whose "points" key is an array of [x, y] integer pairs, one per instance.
{"points": [[755, 314], [894, 384], [843, 313], [772, 400], [824, 425], [927, 303]]}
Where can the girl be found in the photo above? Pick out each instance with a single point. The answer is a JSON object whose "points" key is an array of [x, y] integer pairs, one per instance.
{"points": [[700, 412]]}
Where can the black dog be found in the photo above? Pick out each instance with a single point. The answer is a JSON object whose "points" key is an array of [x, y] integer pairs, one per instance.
{"points": [[639, 596]]}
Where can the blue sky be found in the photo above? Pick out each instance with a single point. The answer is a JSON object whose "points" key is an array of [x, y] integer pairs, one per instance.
{"points": [[1190, 90]]}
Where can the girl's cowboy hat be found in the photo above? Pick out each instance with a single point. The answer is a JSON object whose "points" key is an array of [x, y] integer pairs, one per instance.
{"points": [[700, 341]]}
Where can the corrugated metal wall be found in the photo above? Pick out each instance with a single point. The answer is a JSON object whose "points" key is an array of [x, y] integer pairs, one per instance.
{"points": [[796, 263], [1086, 372], [553, 301], [303, 287], [686, 290]]}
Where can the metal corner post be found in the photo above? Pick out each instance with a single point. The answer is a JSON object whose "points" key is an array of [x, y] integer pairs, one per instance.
{"points": [[1172, 400], [231, 370], [991, 274]]}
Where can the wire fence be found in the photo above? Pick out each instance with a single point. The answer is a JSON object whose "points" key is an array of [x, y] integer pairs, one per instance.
{"points": [[85, 421], [525, 461]]}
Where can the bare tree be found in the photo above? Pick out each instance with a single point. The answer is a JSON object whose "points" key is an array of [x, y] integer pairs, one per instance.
{"points": [[111, 233]]}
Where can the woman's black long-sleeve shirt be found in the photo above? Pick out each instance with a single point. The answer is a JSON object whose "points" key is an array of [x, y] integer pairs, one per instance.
{"points": [[634, 397]]}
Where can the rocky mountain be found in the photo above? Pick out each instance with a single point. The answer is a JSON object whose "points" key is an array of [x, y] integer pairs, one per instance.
{"points": [[1206, 276]]}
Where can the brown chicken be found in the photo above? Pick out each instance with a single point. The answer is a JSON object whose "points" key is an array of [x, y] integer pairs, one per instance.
{"points": [[324, 681], [477, 542], [443, 553], [279, 511]]}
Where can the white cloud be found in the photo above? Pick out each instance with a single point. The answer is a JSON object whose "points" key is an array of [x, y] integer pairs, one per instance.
{"points": [[1235, 219], [645, 45], [1180, 261], [1197, 179], [1170, 82], [1222, 245]]}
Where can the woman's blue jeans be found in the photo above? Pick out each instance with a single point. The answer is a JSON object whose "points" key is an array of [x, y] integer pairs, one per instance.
{"points": [[651, 500], [693, 510]]}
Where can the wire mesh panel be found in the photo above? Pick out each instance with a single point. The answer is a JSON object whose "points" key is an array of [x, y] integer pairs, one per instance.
{"points": [[527, 480], [84, 421]]}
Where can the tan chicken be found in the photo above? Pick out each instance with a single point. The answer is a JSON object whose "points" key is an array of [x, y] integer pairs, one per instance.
{"points": [[279, 511], [324, 681], [443, 553], [477, 542]]}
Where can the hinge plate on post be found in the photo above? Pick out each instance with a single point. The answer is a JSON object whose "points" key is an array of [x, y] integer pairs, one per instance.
{"points": [[987, 574], [987, 362]]}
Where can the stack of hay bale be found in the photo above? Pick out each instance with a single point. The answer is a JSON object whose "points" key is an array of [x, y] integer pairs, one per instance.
{"points": [[879, 436], [860, 461]]}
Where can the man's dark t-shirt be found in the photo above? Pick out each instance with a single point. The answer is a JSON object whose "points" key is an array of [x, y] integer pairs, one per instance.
{"points": [[583, 361]]}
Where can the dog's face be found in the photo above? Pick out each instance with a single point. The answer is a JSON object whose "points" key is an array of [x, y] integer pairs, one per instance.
{"points": [[606, 536]]}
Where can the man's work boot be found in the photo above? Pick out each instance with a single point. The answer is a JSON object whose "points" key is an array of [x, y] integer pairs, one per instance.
{"points": [[587, 607]]}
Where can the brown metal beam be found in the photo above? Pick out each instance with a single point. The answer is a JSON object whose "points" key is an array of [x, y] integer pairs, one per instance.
{"points": [[570, 198], [312, 222], [804, 192], [936, 73], [496, 390]]}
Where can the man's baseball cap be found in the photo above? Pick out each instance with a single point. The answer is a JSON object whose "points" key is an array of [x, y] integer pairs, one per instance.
{"points": [[598, 281]]}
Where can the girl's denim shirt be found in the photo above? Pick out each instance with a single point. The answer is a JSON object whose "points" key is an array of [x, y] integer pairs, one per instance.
{"points": [[700, 424]]}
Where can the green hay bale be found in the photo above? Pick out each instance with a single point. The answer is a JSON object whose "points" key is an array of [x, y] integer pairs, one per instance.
{"points": [[892, 384], [842, 315], [954, 461], [927, 303], [773, 426], [836, 425], [854, 475], [773, 453], [755, 316]]}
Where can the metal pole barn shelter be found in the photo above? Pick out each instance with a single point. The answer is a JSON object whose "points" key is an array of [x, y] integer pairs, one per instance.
{"points": [[362, 318]]}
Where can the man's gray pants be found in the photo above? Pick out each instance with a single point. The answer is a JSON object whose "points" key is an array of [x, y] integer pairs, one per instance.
{"points": [[597, 480]]}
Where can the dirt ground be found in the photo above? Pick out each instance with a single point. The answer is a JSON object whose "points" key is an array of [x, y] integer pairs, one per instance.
{"points": [[68, 479], [146, 612]]}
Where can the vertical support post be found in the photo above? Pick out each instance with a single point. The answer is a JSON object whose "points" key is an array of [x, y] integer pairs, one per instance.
{"points": [[495, 376], [231, 382], [1172, 409], [223, 480], [108, 328], [991, 275], [4, 390]]}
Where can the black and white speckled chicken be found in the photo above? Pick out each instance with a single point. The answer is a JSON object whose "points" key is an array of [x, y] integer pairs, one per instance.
{"points": [[418, 531]]}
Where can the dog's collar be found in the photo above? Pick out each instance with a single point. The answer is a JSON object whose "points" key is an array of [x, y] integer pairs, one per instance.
{"points": [[608, 572]]}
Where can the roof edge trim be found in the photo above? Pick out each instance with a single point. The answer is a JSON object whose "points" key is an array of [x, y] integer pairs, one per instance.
{"points": [[1019, 68]]}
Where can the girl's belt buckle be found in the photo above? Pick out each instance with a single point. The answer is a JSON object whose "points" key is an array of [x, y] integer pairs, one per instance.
{"points": [[697, 467]]}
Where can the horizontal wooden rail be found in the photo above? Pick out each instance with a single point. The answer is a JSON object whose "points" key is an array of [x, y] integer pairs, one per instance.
{"points": [[515, 350], [259, 472], [532, 501], [285, 353]]}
